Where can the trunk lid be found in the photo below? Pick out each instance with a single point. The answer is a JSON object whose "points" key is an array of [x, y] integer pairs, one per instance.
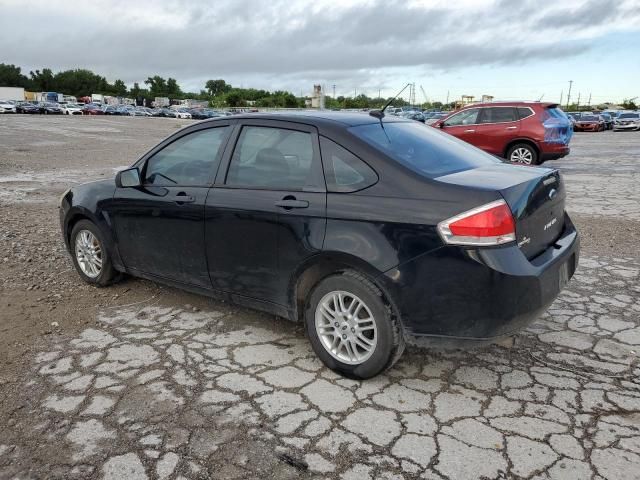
{"points": [[535, 195]]}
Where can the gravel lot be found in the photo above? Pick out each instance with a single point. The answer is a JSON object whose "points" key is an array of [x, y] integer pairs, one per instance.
{"points": [[142, 381]]}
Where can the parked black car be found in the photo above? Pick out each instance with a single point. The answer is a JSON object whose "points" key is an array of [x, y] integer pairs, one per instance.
{"points": [[370, 231], [27, 107], [48, 108]]}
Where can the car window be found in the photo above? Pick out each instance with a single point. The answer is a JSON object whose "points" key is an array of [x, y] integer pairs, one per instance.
{"points": [[343, 171], [427, 151], [498, 115], [524, 112], [268, 157], [189, 161], [468, 117]]}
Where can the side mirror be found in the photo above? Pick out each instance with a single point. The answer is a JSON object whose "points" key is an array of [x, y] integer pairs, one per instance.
{"points": [[128, 178]]}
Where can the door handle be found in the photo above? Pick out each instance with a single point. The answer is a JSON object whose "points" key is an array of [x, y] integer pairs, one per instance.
{"points": [[511, 128], [469, 131], [182, 197], [290, 202]]}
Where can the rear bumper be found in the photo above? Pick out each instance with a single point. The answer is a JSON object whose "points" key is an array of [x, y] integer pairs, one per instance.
{"points": [[553, 151], [480, 294]]}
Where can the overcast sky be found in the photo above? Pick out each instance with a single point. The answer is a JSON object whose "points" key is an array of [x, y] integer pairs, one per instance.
{"points": [[507, 48]]}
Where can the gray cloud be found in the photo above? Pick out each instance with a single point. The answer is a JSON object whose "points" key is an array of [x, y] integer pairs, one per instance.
{"points": [[289, 43]]}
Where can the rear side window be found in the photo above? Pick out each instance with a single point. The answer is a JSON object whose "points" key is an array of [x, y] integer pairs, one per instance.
{"points": [[524, 112], [267, 157], [423, 149], [343, 171], [499, 115]]}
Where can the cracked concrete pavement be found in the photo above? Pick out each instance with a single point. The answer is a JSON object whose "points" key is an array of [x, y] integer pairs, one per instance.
{"points": [[162, 389]]}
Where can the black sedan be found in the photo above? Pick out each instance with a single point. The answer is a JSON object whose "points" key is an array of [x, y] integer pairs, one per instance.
{"points": [[27, 107], [371, 231], [49, 108]]}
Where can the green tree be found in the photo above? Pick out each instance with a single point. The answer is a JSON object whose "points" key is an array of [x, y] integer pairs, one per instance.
{"points": [[629, 104], [12, 76], [217, 87], [119, 88], [173, 89], [157, 86], [42, 81]]}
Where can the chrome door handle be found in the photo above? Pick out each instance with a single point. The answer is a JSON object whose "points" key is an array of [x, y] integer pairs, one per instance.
{"points": [[469, 131], [511, 128]]}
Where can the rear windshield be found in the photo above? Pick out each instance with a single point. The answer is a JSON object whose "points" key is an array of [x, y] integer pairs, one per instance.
{"points": [[423, 149]]}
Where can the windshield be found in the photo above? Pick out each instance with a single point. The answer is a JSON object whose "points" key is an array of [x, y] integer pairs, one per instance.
{"points": [[423, 149], [588, 118], [628, 115]]}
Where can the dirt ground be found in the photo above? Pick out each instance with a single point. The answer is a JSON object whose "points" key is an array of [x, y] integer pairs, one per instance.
{"points": [[143, 381]]}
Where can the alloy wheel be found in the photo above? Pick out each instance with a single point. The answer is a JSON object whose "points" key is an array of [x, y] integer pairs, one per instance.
{"points": [[522, 155], [88, 253], [346, 327]]}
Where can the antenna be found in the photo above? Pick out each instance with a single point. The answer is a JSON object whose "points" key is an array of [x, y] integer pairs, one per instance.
{"points": [[380, 113]]}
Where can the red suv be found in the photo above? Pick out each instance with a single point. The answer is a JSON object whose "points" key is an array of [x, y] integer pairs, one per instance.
{"points": [[521, 132]]}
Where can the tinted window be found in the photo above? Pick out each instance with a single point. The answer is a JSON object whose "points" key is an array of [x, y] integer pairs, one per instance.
{"points": [[628, 115], [424, 149], [271, 158], [343, 171], [468, 117], [190, 160], [498, 115], [524, 112]]}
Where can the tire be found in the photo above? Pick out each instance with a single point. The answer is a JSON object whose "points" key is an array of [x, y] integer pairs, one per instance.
{"points": [[385, 335], [523, 154], [105, 274]]}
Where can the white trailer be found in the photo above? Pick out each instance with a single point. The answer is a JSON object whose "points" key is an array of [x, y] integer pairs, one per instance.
{"points": [[11, 93]]}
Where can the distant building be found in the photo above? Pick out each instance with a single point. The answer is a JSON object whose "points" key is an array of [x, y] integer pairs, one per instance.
{"points": [[317, 99]]}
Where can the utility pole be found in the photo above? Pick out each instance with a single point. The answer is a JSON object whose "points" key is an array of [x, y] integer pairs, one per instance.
{"points": [[569, 94], [354, 93], [334, 91], [379, 90], [589, 102], [561, 93], [447, 102], [578, 104]]}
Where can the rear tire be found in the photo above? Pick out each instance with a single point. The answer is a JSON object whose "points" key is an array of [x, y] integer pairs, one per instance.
{"points": [[90, 257], [351, 327], [523, 153]]}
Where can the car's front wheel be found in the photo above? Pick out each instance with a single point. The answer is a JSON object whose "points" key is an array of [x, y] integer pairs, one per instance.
{"points": [[351, 327], [90, 257], [522, 153]]}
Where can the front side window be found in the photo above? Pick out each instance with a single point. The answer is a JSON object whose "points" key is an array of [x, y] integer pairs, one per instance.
{"points": [[189, 161], [468, 117], [268, 157], [499, 115], [343, 171]]}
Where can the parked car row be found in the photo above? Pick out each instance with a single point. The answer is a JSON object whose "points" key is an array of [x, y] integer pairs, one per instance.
{"points": [[610, 120]]}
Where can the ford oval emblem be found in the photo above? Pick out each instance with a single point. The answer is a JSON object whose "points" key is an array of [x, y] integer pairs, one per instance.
{"points": [[552, 193]]}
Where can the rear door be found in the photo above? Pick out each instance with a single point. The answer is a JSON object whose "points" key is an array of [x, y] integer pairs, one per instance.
{"points": [[497, 127], [266, 213], [463, 125]]}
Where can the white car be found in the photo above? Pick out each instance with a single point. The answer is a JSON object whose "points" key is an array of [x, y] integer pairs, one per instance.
{"points": [[7, 107], [182, 114], [71, 109], [627, 121]]}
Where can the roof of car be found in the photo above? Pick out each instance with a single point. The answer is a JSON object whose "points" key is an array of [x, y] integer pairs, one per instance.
{"points": [[316, 117], [515, 103]]}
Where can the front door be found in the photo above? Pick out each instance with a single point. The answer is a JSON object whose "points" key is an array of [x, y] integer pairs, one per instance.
{"points": [[463, 125], [160, 225], [266, 211], [497, 127]]}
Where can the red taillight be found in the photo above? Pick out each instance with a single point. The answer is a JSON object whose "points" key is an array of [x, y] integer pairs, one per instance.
{"points": [[490, 224]]}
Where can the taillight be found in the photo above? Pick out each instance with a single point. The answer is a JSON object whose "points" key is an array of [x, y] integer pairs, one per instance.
{"points": [[490, 224]]}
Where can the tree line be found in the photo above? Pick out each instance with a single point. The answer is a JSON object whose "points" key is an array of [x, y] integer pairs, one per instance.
{"points": [[81, 82]]}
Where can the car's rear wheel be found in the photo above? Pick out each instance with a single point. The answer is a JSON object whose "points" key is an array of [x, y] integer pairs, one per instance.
{"points": [[522, 153], [351, 327], [90, 257]]}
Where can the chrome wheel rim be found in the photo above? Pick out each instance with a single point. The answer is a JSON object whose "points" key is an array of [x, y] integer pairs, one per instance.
{"points": [[346, 327], [522, 155], [88, 253]]}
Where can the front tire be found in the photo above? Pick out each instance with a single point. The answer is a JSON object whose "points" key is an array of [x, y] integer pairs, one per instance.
{"points": [[523, 154], [351, 328], [90, 257]]}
